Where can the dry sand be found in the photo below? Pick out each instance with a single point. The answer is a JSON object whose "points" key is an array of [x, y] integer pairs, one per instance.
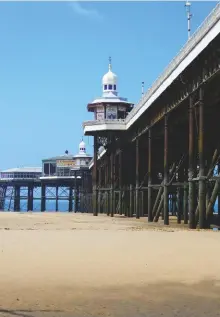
{"points": [[73, 265]]}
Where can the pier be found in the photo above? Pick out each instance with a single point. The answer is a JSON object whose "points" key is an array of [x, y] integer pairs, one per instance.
{"points": [[161, 157], [62, 178]]}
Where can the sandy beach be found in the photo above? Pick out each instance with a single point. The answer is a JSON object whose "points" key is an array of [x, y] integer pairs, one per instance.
{"points": [[55, 264]]}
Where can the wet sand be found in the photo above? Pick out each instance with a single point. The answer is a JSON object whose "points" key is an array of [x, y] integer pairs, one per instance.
{"points": [[78, 265]]}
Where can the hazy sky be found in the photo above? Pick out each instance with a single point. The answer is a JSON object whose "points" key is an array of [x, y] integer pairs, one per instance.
{"points": [[53, 56]]}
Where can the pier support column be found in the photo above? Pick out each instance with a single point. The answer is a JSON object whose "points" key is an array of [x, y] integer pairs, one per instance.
{"points": [[17, 198], [71, 198], [2, 198], [137, 202], [150, 215], [131, 207], [57, 193], [30, 197], [108, 166], [94, 178], [180, 196], [166, 205], [202, 182], [218, 194], [75, 193], [43, 197], [112, 196], [192, 222], [77, 198], [120, 183], [185, 207], [106, 185]]}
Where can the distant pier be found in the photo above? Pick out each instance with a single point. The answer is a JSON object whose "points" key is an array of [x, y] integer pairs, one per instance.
{"points": [[62, 178]]}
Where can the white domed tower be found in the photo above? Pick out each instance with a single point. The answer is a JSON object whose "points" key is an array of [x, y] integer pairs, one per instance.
{"points": [[110, 106], [82, 159], [109, 81], [82, 148]]}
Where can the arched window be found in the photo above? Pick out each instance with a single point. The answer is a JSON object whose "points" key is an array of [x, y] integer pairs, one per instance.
{"points": [[105, 87], [114, 87], [110, 87]]}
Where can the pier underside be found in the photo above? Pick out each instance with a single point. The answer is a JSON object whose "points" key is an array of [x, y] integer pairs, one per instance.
{"points": [[37, 194], [168, 161]]}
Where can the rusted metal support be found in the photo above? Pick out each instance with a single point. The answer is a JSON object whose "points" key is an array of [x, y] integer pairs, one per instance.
{"points": [[120, 182], [70, 198], [30, 197], [192, 223], [166, 205], [112, 196], [160, 207], [94, 178], [208, 194], [137, 202], [149, 200], [202, 181], [141, 205], [106, 203], [75, 193], [43, 197], [180, 194], [99, 193], [77, 199], [17, 189], [185, 209], [57, 193], [157, 200], [213, 163], [160, 192], [131, 209], [179, 216]]}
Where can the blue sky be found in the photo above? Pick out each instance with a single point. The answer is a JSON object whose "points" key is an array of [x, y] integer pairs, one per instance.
{"points": [[53, 56]]}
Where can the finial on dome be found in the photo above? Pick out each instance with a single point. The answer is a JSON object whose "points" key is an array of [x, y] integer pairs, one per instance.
{"points": [[110, 63]]}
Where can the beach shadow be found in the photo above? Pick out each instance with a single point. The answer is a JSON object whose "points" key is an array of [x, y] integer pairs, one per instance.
{"points": [[165, 299], [28, 313]]}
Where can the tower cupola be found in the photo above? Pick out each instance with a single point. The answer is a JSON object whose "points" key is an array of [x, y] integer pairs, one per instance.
{"points": [[82, 147], [109, 81], [110, 106]]}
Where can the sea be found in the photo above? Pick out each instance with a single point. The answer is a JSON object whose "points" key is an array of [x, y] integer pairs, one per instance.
{"points": [[63, 201], [63, 205]]}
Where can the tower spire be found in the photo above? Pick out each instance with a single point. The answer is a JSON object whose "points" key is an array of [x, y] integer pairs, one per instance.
{"points": [[189, 16], [110, 63]]}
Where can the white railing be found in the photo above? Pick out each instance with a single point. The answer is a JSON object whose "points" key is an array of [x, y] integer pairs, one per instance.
{"points": [[207, 24], [105, 121]]}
